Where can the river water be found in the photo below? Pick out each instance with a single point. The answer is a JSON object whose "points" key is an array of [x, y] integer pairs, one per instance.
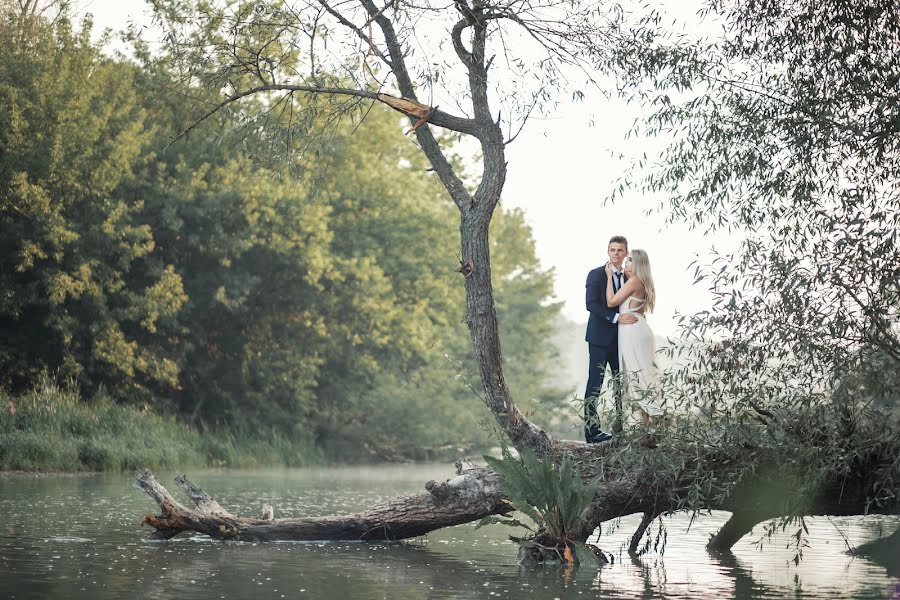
{"points": [[81, 537]]}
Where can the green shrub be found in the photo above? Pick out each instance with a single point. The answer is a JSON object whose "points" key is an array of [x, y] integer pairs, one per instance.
{"points": [[33, 451], [552, 496], [95, 456], [50, 428]]}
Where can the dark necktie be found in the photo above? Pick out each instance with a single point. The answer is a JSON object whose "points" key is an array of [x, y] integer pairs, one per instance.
{"points": [[617, 282]]}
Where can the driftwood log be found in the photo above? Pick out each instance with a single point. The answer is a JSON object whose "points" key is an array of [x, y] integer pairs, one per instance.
{"points": [[473, 494]]}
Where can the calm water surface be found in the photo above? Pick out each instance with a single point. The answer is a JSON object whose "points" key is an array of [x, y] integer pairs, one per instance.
{"points": [[81, 537]]}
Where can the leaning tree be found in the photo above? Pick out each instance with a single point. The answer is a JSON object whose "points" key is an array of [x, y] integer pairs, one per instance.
{"points": [[749, 148]]}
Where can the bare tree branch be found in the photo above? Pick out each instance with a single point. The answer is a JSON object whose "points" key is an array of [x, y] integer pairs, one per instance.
{"points": [[426, 139], [408, 108]]}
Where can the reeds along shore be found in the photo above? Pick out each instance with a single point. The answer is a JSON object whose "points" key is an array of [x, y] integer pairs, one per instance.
{"points": [[50, 428]]}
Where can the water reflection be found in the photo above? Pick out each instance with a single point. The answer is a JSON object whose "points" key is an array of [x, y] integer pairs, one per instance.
{"points": [[81, 538]]}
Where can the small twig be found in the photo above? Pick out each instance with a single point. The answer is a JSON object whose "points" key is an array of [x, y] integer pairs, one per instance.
{"points": [[846, 541]]}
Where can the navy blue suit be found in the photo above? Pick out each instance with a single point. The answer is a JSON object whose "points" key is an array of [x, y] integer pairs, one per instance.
{"points": [[602, 337]]}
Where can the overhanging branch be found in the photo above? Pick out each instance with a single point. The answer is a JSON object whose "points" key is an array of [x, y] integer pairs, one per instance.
{"points": [[408, 107], [427, 141]]}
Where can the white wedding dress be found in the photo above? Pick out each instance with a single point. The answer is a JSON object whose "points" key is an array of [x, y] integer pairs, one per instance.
{"points": [[637, 349]]}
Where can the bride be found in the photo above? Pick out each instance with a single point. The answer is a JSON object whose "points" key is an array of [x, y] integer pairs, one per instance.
{"points": [[637, 346]]}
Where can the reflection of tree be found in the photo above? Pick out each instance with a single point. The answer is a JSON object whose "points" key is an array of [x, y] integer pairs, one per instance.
{"points": [[648, 576], [354, 570], [198, 567], [643, 569], [410, 571], [883, 551], [744, 584]]}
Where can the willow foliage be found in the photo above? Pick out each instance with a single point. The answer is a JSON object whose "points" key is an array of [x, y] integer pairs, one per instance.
{"points": [[786, 139]]}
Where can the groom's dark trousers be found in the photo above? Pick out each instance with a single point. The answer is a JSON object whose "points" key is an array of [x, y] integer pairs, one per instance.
{"points": [[602, 337]]}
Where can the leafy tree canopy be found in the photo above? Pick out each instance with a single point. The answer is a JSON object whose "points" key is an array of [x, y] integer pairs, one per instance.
{"points": [[322, 303]]}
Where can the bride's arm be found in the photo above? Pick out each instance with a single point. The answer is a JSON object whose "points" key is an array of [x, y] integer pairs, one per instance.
{"points": [[630, 287]]}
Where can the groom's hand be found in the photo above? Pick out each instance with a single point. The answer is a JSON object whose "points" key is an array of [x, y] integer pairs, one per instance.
{"points": [[627, 319]]}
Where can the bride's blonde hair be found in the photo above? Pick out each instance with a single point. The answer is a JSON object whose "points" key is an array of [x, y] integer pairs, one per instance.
{"points": [[640, 267]]}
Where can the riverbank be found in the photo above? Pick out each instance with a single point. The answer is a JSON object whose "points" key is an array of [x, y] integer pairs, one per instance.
{"points": [[52, 429], [35, 474]]}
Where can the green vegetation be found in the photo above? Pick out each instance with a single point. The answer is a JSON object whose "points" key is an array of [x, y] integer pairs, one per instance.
{"points": [[299, 312], [553, 496], [54, 428], [790, 384]]}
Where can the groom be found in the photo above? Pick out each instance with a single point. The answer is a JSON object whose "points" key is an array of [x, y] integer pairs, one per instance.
{"points": [[602, 337]]}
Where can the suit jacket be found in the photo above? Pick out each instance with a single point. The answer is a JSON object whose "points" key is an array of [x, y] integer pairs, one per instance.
{"points": [[600, 328]]}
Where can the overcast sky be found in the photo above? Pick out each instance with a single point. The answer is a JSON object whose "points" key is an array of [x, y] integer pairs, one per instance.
{"points": [[560, 171]]}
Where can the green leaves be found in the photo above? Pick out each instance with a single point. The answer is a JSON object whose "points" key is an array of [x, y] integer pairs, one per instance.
{"points": [[794, 368], [320, 302], [554, 498], [81, 285]]}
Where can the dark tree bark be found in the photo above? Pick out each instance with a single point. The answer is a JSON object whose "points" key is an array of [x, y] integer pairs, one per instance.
{"points": [[885, 551]]}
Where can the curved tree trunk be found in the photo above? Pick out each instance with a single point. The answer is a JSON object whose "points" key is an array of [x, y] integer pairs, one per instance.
{"points": [[481, 318], [885, 551]]}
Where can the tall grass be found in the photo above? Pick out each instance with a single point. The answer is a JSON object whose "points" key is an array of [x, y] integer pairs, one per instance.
{"points": [[52, 428]]}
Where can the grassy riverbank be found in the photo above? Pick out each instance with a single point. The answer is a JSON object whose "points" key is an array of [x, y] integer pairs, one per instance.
{"points": [[52, 429]]}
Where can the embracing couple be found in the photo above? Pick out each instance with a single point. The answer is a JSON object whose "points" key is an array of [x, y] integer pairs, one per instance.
{"points": [[617, 296]]}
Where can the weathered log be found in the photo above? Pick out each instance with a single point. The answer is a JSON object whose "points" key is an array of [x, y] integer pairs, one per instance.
{"points": [[473, 494]]}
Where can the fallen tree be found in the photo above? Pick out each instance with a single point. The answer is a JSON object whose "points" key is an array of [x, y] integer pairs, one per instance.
{"points": [[471, 495], [477, 492], [790, 423]]}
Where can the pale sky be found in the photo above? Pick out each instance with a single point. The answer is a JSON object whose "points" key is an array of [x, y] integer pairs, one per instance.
{"points": [[560, 170]]}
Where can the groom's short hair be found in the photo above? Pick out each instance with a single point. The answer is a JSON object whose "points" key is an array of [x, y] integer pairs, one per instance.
{"points": [[619, 239]]}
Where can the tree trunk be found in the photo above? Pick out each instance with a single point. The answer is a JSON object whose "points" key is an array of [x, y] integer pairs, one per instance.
{"points": [[884, 551], [481, 318]]}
